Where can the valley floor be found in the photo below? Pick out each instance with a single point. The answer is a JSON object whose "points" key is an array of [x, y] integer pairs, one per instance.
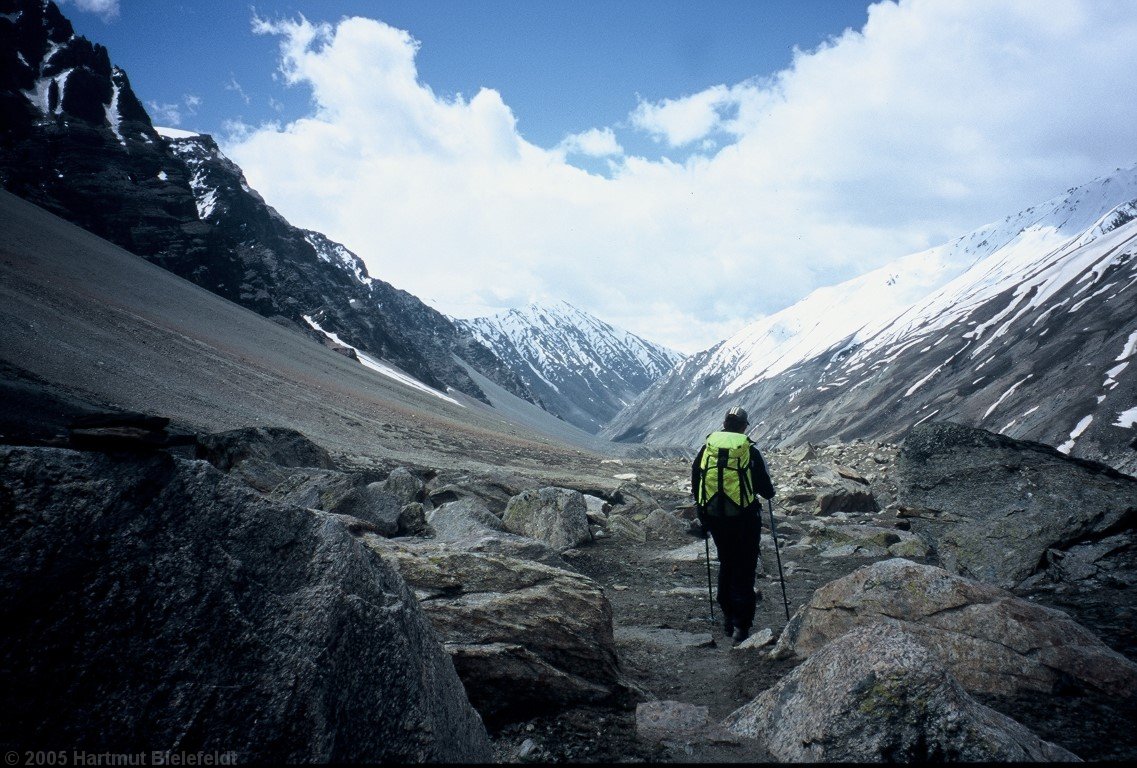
{"points": [[647, 593]]}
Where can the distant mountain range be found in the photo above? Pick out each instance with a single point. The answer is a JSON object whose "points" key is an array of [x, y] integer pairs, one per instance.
{"points": [[1027, 327], [579, 366], [77, 141]]}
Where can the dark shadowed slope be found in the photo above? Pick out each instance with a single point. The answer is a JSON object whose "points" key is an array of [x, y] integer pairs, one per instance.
{"points": [[104, 326]]}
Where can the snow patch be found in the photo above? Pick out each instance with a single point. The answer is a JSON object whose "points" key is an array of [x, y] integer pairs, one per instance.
{"points": [[379, 367], [175, 133], [114, 118], [1007, 394], [1126, 419], [1084, 424], [1130, 348]]}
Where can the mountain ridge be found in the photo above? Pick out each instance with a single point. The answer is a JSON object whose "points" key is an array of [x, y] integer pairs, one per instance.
{"points": [[580, 367], [910, 367]]}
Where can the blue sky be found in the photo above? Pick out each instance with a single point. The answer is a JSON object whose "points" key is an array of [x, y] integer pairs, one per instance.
{"points": [[562, 67], [678, 169]]}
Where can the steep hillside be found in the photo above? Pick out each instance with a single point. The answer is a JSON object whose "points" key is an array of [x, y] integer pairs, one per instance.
{"points": [[1025, 327], [580, 367], [76, 141]]}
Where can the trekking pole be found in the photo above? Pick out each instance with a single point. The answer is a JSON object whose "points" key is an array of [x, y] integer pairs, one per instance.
{"points": [[781, 575], [710, 597]]}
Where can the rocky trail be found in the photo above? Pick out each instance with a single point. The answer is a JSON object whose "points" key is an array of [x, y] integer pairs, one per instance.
{"points": [[668, 646], [562, 603]]}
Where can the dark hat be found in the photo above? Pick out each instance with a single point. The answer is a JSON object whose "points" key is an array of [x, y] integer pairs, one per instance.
{"points": [[737, 414]]}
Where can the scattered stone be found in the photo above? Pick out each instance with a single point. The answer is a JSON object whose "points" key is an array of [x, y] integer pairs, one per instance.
{"points": [[992, 641], [625, 476], [528, 750], [405, 486], [557, 516], [802, 454], [661, 525], [412, 520], [877, 695], [670, 721], [757, 640], [694, 552], [624, 527]]}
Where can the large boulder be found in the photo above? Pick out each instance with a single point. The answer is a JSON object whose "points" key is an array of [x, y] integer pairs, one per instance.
{"points": [[992, 641], [261, 455], [992, 506], [865, 541], [373, 504], [468, 525], [493, 489], [154, 603], [557, 516], [525, 637], [877, 695]]}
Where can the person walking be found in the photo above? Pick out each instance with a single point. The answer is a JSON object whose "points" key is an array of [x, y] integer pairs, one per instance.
{"points": [[727, 477]]}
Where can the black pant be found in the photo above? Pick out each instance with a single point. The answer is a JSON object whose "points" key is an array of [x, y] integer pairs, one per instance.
{"points": [[736, 539]]}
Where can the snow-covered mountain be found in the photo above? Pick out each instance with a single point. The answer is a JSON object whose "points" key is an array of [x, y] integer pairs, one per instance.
{"points": [[579, 367], [1026, 326]]}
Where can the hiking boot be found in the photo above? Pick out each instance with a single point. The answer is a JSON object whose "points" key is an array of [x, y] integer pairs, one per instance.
{"points": [[741, 634]]}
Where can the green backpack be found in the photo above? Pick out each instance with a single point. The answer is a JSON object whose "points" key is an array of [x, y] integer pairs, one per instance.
{"points": [[724, 483]]}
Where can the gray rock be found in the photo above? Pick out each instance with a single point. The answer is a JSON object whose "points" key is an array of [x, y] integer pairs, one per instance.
{"points": [[314, 488], [757, 640], [412, 520], [670, 721], [662, 525], [557, 516], [845, 496], [801, 454], [461, 519], [523, 636], [992, 641], [176, 608], [626, 528], [405, 486], [374, 505], [877, 695], [866, 540], [997, 504], [262, 456], [598, 508], [493, 490]]}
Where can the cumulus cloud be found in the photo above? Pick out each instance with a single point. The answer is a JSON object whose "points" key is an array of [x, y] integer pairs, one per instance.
{"points": [[108, 9], [595, 142], [687, 119], [935, 118]]}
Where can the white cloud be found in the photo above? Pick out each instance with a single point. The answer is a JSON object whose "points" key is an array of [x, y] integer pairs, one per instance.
{"points": [[936, 118], [690, 118], [236, 88], [173, 114], [594, 142], [108, 9]]}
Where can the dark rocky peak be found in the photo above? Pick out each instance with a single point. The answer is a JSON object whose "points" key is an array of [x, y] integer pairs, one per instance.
{"points": [[64, 77]]}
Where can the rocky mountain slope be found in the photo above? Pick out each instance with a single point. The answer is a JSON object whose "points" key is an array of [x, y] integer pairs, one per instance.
{"points": [[580, 367], [1025, 327], [77, 141]]}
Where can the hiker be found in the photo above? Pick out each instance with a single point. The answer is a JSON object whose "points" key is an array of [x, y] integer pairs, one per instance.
{"points": [[727, 477]]}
